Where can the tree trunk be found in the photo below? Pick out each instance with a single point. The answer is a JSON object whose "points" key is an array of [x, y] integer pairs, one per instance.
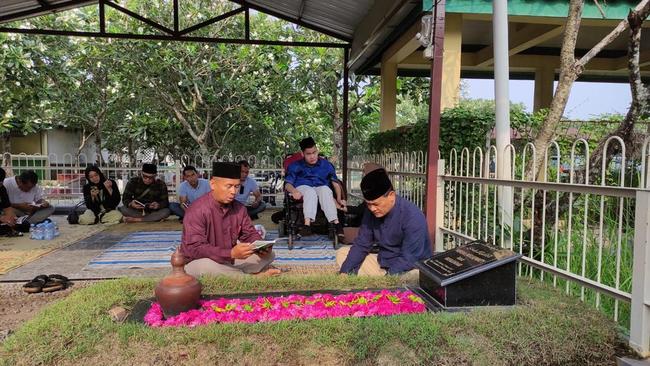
{"points": [[639, 103], [131, 152], [568, 75], [98, 144], [205, 153], [337, 136], [570, 70], [82, 143], [6, 156]]}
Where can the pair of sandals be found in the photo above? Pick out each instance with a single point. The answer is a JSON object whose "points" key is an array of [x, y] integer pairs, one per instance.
{"points": [[43, 283]]}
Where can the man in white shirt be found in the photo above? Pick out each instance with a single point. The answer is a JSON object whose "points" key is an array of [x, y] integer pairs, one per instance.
{"points": [[190, 190], [27, 198], [248, 186]]}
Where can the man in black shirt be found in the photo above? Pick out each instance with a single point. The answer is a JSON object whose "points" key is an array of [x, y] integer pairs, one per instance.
{"points": [[7, 214]]}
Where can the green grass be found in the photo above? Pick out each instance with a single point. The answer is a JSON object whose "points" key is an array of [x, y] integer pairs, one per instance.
{"points": [[547, 328]]}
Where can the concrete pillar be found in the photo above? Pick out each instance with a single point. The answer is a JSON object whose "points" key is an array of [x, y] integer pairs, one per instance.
{"points": [[388, 96], [451, 60], [502, 115], [640, 306], [544, 78]]}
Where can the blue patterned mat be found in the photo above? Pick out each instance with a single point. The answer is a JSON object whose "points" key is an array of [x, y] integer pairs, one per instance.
{"points": [[152, 249]]}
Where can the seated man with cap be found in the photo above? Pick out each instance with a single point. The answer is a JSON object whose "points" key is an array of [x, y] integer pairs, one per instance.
{"points": [[217, 231], [395, 225], [145, 198], [309, 179]]}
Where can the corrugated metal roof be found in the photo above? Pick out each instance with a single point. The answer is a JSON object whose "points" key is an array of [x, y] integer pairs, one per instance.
{"points": [[338, 17], [11, 10]]}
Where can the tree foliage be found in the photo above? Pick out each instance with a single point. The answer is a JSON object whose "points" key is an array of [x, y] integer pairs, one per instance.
{"points": [[26, 86], [466, 125], [181, 98]]}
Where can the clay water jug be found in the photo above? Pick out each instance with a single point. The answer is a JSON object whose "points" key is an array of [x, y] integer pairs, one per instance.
{"points": [[178, 291]]}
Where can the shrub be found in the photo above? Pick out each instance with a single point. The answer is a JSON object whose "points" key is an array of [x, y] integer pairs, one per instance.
{"points": [[466, 125]]}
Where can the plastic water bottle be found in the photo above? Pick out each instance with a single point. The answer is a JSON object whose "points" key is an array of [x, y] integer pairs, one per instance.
{"points": [[46, 231], [32, 231], [49, 231], [38, 232], [56, 229], [43, 235]]}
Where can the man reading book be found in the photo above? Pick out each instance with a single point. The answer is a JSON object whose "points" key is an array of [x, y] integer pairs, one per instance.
{"points": [[218, 233], [145, 198], [26, 197]]}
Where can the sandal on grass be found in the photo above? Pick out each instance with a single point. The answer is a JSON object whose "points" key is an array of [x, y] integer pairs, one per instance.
{"points": [[56, 282], [35, 285]]}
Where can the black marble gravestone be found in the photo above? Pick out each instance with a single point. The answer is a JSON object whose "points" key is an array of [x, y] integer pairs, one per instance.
{"points": [[475, 274]]}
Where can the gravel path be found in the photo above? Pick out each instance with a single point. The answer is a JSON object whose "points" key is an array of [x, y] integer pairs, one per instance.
{"points": [[16, 306]]}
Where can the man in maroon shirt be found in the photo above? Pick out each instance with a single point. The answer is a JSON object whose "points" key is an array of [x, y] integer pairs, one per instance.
{"points": [[217, 231]]}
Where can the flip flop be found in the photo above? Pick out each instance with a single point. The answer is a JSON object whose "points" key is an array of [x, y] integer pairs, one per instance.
{"points": [[56, 282], [35, 285]]}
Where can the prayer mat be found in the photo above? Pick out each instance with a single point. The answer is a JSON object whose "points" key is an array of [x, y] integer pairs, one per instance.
{"points": [[153, 249], [315, 250], [147, 249]]}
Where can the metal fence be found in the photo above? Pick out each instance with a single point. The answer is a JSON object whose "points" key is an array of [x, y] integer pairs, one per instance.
{"points": [[583, 231], [62, 176], [407, 172]]}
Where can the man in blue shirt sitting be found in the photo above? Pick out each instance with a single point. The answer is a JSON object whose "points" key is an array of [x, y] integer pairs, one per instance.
{"points": [[396, 225], [248, 186], [309, 179], [191, 189]]}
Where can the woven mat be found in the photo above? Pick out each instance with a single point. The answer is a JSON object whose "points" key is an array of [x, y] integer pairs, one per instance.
{"points": [[18, 251], [153, 249]]}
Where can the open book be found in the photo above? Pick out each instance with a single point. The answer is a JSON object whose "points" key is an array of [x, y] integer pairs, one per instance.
{"points": [[262, 244], [144, 205]]}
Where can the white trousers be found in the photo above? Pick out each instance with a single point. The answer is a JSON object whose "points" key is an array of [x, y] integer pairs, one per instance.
{"points": [[311, 196]]}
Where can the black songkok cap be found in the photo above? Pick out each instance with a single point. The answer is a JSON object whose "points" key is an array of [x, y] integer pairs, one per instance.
{"points": [[149, 168], [226, 170], [375, 184], [306, 143]]}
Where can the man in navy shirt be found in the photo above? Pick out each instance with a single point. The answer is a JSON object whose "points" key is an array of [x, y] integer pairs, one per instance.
{"points": [[309, 179], [396, 225]]}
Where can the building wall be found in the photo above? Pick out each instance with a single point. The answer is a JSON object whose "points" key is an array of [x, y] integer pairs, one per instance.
{"points": [[60, 145], [63, 144], [30, 144]]}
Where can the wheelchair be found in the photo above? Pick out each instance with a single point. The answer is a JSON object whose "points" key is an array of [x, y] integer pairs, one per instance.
{"points": [[293, 219]]}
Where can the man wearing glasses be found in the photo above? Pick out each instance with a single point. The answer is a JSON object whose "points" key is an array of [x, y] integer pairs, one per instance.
{"points": [[145, 198], [248, 186]]}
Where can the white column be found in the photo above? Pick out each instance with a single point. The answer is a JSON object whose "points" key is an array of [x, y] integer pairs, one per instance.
{"points": [[640, 307], [502, 103]]}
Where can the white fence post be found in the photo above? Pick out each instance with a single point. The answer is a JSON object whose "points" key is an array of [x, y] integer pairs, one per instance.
{"points": [[440, 206], [640, 308]]}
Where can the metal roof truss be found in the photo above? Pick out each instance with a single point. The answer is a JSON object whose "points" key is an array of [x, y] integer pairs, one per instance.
{"points": [[167, 34]]}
